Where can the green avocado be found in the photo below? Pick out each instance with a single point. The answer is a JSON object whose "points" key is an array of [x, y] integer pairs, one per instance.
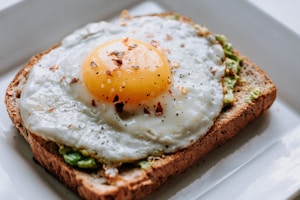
{"points": [[233, 66], [78, 158]]}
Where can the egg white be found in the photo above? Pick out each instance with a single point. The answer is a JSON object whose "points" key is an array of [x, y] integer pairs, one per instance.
{"points": [[56, 105]]}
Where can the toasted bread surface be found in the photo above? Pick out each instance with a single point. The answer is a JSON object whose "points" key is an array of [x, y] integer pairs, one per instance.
{"points": [[134, 182]]}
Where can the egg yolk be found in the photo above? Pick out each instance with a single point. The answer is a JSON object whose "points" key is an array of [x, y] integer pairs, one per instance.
{"points": [[126, 70]]}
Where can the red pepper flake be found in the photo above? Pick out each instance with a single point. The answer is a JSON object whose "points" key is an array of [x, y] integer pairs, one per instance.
{"points": [[171, 93], [213, 71], [94, 103], [74, 80], [154, 43], [118, 54], [93, 64], [116, 99], [118, 62], [53, 68], [119, 105], [146, 111], [108, 72], [169, 37], [125, 41], [231, 72], [159, 109]]}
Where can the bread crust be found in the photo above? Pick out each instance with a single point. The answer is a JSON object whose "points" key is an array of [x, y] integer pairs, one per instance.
{"points": [[134, 182]]}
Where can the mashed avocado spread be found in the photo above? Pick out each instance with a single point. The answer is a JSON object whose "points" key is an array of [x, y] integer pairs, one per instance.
{"points": [[78, 158], [233, 65]]}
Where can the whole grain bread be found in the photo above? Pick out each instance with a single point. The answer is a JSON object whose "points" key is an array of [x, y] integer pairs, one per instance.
{"points": [[133, 182]]}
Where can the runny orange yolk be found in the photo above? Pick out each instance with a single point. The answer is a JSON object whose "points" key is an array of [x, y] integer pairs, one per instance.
{"points": [[127, 70]]}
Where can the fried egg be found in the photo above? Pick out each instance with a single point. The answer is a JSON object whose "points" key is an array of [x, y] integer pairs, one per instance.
{"points": [[126, 90]]}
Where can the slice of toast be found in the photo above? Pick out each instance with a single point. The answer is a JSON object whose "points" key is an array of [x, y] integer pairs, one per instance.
{"points": [[133, 182]]}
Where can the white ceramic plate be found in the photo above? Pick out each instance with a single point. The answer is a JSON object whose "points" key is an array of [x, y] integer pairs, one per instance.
{"points": [[260, 163]]}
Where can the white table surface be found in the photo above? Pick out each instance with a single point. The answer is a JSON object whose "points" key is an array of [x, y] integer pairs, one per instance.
{"points": [[286, 12]]}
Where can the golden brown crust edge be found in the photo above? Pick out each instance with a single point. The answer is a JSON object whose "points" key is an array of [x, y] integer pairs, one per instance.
{"points": [[136, 183]]}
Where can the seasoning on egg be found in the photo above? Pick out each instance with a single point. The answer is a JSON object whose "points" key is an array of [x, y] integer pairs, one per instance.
{"points": [[213, 71], [146, 111], [117, 62], [93, 64], [118, 54], [74, 80], [125, 40], [119, 107], [94, 103], [154, 43], [108, 72], [53, 68], [159, 109], [118, 104]]}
